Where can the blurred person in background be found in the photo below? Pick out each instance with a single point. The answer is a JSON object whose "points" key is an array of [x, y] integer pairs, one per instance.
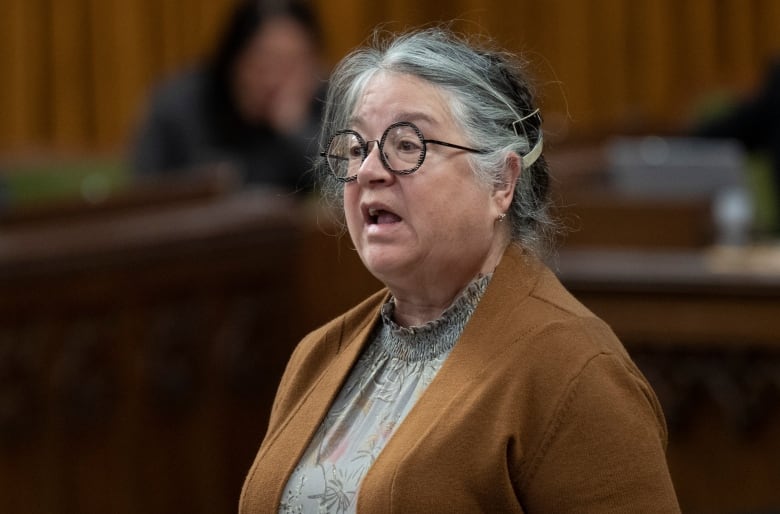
{"points": [[755, 122], [254, 105]]}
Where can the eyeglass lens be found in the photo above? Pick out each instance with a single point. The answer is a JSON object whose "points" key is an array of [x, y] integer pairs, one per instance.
{"points": [[401, 148]]}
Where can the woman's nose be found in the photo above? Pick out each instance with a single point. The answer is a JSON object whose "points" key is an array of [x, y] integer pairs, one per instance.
{"points": [[372, 170]]}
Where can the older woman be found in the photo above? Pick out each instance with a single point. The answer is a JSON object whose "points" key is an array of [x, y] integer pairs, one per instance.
{"points": [[474, 382]]}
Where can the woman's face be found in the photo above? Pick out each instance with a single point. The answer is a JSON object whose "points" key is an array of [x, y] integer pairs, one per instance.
{"points": [[275, 77], [436, 227]]}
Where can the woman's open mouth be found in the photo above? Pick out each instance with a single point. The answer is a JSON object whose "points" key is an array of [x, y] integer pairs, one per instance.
{"points": [[381, 217]]}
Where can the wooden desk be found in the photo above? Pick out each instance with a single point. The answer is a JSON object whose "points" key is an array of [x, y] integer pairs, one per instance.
{"points": [[137, 353], [704, 326], [141, 346], [598, 220]]}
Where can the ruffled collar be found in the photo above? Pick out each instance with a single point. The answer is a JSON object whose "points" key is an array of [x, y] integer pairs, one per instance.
{"points": [[435, 338]]}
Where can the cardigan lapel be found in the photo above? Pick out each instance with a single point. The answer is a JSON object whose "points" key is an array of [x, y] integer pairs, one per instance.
{"points": [[295, 433], [512, 282]]}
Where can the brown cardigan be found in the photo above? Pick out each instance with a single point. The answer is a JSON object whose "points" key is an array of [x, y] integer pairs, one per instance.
{"points": [[538, 409]]}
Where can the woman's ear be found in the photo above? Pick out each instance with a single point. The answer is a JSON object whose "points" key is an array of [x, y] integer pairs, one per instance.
{"points": [[505, 190]]}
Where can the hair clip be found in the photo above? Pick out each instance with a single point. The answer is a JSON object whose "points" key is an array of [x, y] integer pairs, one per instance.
{"points": [[533, 154]]}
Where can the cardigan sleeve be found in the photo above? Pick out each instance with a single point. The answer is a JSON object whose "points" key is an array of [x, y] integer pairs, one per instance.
{"points": [[604, 450]]}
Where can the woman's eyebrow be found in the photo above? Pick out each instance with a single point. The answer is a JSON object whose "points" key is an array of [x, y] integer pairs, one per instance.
{"points": [[414, 116], [411, 116]]}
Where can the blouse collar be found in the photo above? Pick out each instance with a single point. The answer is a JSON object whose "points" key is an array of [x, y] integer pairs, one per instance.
{"points": [[434, 338]]}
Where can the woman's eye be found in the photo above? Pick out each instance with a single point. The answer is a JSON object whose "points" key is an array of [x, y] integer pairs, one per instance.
{"points": [[408, 145]]}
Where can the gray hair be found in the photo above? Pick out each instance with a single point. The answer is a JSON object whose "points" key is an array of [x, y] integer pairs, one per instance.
{"points": [[489, 93]]}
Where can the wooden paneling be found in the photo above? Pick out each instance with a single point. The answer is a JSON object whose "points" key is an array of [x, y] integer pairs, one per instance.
{"points": [[71, 85], [76, 72], [613, 94], [25, 62], [698, 33], [767, 35]]}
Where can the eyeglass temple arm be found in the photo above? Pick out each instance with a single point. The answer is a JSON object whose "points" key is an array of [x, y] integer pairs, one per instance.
{"points": [[453, 145], [528, 159]]}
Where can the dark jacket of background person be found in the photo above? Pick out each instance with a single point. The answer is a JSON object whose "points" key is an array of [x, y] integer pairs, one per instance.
{"points": [[528, 384], [755, 122], [195, 118]]}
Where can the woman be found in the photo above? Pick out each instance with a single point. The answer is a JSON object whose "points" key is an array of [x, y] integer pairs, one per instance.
{"points": [[253, 106], [474, 382]]}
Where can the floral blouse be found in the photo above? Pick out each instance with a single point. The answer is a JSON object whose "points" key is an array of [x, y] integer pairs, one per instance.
{"points": [[391, 374]]}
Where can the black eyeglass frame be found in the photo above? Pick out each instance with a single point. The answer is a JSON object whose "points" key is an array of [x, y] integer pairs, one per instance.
{"points": [[381, 143]]}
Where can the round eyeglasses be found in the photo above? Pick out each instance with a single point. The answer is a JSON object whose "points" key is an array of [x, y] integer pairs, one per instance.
{"points": [[402, 150]]}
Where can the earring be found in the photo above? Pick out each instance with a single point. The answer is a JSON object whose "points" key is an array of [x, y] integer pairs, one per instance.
{"points": [[501, 217]]}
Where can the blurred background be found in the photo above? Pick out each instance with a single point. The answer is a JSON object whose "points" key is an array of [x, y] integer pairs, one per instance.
{"points": [[149, 302]]}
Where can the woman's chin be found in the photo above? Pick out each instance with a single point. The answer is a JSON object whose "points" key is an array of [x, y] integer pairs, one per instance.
{"points": [[385, 267]]}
